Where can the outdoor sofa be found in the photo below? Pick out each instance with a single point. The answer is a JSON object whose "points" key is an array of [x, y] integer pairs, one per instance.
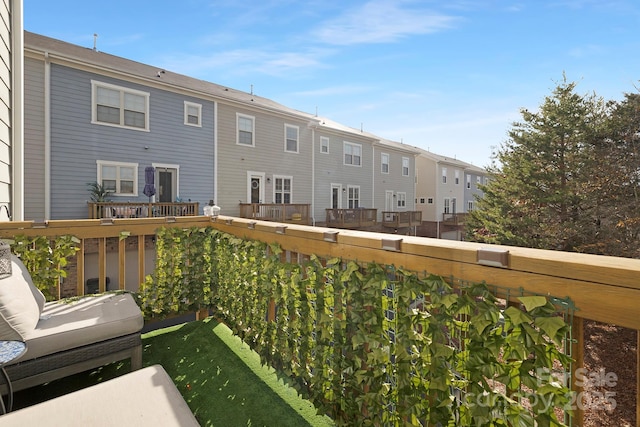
{"points": [[147, 397], [64, 338]]}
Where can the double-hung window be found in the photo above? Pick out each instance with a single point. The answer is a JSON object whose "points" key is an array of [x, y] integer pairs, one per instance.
{"points": [[119, 106], [444, 175], [353, 196], [405, 166], [447, 206], [324, 145], [468, 181], [192, 114], [291, 138], [352, 154], [402, 199], [282, 189], [120, 179], [457, 177], [384, 160], [246, 130]]}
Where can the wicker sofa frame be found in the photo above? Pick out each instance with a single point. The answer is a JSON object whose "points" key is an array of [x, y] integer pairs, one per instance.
{"points": [[43, 369]]}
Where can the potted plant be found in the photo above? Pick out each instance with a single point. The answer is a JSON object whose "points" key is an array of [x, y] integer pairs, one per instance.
{"points": [[97, 194]]}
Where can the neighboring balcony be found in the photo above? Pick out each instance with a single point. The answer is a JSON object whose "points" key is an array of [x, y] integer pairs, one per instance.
{"points": [[352, 218], [99, 210], [296, 213], [401, 219], [453, 218]]}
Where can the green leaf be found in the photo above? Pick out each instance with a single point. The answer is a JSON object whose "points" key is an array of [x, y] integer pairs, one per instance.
{"points": [[517, 316], [533, 302], [550, 325]]}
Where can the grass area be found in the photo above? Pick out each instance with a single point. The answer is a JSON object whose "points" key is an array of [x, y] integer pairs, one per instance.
{"points": [[220, 377]]}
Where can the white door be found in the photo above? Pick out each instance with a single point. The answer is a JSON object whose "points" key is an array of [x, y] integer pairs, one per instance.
{"points": [[336, 196]]}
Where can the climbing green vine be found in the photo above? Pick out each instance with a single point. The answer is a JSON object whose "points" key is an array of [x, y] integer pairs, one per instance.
{"points": [[45, 259]]}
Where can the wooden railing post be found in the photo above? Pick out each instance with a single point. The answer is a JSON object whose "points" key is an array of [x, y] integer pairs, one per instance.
{"points": [[577, 353]]}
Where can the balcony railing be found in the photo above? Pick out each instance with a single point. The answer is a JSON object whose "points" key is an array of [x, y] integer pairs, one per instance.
{"points": [[141, 209], [351, 218], [604, 289], [453, 218], [401, 219], [295, 213]]}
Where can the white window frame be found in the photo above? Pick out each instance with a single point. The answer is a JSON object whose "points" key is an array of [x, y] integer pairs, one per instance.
{"points": [[478, 179], [469, 205], [401, 202], [468, 181], [188, 106], [353, 196], [122, 91], [282, 191], [447, 205], [349, 149], [444, 175], [384, 161], [457, 177], [423, 200], [240, 116], [119, 165], [324, 145], [429, 200], [287, 139], [405, 166]]}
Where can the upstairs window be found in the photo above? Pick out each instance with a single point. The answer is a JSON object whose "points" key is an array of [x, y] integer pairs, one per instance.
{"points": [[324, 145], [384, 159], [246, 130], [468, 181], [192, 114], [405, 166], [444, 175], [291, 138], [120, 179], [119, 106], [457, 177], [352, 154]]}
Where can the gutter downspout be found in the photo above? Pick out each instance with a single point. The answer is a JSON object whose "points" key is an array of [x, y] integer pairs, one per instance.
{"points": [[47, 136], [215, 153], [313, 175], [15, 209]]}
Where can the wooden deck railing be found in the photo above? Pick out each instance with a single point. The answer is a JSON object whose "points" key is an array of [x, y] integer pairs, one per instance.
{"points": [[401, 219], [454, 218], [604, 289], [141, 210], [280, 212], [351, 218]]}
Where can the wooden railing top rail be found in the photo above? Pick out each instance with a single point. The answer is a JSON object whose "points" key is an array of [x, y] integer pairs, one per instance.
{"points": [[603, 288]]}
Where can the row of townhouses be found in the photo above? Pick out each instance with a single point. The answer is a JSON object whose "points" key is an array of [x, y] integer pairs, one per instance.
{"points": [[94, 117]]}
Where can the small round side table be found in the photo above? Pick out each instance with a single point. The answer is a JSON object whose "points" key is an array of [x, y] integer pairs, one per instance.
{"points": [[9, 351]]}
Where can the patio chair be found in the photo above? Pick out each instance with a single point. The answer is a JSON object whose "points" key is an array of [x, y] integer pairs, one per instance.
{"points": [[64, 338]]}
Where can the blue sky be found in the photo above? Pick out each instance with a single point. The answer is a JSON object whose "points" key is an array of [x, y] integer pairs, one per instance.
{"points": [[449, 76]]}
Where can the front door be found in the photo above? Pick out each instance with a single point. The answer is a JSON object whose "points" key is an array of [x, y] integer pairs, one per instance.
{"points": [[167, 184], [336, 196], [255, 187], [388, 204]]}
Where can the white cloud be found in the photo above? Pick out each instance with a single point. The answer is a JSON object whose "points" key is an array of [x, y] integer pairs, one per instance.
{"points": [[381, 21]]}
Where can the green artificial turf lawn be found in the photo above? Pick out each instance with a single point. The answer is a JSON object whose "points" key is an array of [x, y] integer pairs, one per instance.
{"points": [[220, 377]]}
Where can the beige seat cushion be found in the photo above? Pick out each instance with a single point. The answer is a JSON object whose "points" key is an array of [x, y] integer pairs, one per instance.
{"points": [[19, 308], [147, 397], [63, 326]]}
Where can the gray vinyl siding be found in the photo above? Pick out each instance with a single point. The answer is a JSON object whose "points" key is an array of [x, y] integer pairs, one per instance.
{"points": [[5, 109], [394, 180], [34, 140], [76, 144], [330, 169], [267, 156]]}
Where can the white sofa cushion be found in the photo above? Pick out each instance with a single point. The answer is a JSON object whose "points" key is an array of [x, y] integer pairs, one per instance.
{"points": [[16, 263], [147, 397], [88, 320], [19, 310]]}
